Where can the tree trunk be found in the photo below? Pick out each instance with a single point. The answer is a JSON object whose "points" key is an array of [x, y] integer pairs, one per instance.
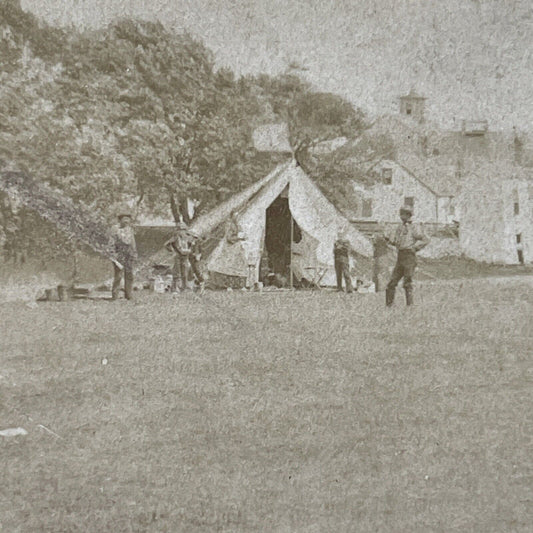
{"points": [[174, 206], [178, 206], [184, 209]]}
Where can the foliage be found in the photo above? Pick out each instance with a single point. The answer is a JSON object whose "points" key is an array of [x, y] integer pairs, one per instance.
{"points": [[137, 112], [20, 29]]}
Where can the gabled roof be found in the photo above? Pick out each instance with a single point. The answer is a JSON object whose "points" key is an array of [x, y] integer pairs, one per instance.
{"points": [[412, 96], [440, 178], [439, 181]]}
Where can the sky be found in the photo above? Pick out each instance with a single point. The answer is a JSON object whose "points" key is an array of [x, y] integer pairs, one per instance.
{"points": [[471, 59]]}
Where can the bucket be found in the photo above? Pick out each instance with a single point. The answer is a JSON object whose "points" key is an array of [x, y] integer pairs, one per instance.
{"points": [[62, 293], [159, 285], [167, 282]]}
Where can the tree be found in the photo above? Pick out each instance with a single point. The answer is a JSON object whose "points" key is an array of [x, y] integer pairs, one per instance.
{"points": [[135, 111]]}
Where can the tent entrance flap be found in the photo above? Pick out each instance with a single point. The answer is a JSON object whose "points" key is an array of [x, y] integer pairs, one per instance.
{"points": [[278, 236], [281, 231]]}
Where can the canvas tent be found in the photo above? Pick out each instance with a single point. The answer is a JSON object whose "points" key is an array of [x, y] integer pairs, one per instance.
{"points": [[285, 218]]}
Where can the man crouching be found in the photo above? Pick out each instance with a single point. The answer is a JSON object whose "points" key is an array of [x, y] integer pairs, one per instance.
{"points": [[408, 240]]}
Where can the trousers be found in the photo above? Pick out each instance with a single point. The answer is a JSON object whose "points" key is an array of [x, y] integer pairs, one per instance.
{"points": [[342, 270], [404, 268], [180, 271], [128, 282], [196, 269]]}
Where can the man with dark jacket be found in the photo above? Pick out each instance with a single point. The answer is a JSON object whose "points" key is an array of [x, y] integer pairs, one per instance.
{"points": [[126, 251], [180, 245], [341, 253], [195, 258], [408, 239]]}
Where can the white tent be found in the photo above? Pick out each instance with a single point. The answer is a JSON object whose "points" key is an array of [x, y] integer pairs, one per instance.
{"points": [[316, 219]]}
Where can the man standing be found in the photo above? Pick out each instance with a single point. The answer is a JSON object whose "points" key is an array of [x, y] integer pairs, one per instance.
{"points": [[195, 258], [180, 245], [408, 240], [341, 254], [126, 250]]}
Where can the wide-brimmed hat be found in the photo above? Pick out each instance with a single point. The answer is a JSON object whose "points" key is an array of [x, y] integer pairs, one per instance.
{"points": [[407, 210]]}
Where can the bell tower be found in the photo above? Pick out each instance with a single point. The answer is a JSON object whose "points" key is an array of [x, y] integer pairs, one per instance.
{"points": [[413, 105]]}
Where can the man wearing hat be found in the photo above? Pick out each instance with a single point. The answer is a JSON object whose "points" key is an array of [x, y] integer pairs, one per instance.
{"points": [[180, 244], [408, 240], [126, 250]]}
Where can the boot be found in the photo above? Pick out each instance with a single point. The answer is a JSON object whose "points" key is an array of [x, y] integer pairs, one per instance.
{"points": [[409, 296], [389, 297]]}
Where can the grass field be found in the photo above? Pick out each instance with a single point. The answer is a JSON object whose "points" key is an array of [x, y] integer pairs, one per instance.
{"points": [[283, 412]]}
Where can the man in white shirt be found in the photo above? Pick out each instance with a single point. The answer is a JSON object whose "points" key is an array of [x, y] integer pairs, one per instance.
{"points": [[408, 240]]}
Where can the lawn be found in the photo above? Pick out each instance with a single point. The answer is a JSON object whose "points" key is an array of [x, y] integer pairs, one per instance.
{"points": [[281, 412]]}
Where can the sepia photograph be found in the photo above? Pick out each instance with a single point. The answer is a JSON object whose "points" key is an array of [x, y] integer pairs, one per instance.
{"points": [[266, 266]]}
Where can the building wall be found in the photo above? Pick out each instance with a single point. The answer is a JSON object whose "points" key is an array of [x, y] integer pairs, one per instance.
{"points": [[446, 210], [388, 198], [413, 107], [489, 225], [521, 223]]}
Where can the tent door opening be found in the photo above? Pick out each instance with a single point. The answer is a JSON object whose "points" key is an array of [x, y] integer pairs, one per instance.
{"points": [[278, 237], [280, 231]]}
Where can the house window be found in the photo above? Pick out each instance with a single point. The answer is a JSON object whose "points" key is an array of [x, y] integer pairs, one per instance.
{"points": [[367, 208], [520, 256], [408, 109], [451, 210], [409, 200], [518, 238], [387, 175], [516, 208]]}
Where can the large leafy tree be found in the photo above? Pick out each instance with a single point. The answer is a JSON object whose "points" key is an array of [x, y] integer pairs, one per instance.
{"points": [[135, 111]]}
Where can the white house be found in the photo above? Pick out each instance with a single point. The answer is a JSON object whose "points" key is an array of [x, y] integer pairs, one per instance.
{"points": [[395, 185], [497, 219]]}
